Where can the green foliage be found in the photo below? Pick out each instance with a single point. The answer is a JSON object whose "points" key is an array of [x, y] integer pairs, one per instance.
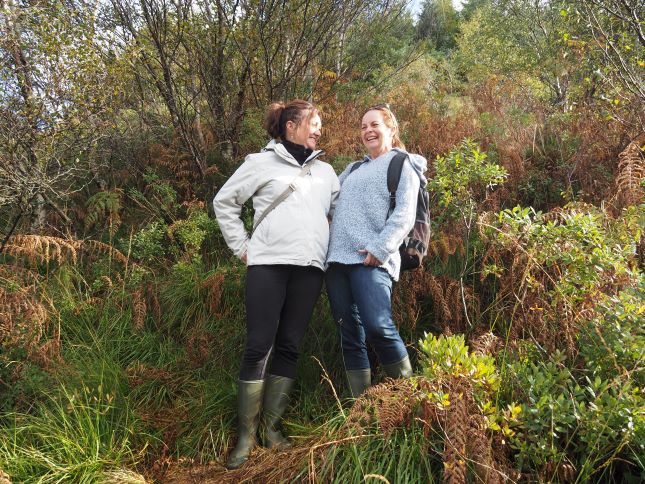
{"points": [[176, 230], [519, 39], [105, 385], [252, 135], [373, 53], [612, 346], [59, 93], [584, 409], [463, 177], [211, 406], [549, 409], [159, 199], [190, 233], [446, 357], [438, 23], [148, 243], [588, 247], [22, 381], [117, 389], [613, 342], [608, 37], [469, 7], [574, 416]]}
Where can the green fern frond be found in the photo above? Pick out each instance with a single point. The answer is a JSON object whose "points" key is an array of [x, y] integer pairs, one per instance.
{"points": [[105, 206]]}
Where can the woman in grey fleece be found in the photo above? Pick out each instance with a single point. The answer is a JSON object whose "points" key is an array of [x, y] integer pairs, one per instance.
{"points": [[363, 257]]}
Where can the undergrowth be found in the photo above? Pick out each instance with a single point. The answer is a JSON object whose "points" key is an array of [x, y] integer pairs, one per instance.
{"points": [[120, 360]]}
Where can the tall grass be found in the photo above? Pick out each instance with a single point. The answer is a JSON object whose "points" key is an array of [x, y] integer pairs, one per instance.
{"points": [[403, 456], [73, 435], [122, 395]]}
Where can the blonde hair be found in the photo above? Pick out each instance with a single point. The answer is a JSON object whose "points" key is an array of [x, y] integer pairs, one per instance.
{"points": [[279, 113], [390, 122]]}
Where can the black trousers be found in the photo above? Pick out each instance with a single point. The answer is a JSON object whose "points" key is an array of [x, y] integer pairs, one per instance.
{"points": [[280, 300]]}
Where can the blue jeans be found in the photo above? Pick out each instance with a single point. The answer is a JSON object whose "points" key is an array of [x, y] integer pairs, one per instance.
{"points": [[360, 298]]}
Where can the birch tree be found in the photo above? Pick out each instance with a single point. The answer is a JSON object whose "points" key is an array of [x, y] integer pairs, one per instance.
{"points": [[57, 93]]}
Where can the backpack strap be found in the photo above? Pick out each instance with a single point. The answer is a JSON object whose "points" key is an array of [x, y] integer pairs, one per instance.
{"points": [[355, 166], [394, 176]]}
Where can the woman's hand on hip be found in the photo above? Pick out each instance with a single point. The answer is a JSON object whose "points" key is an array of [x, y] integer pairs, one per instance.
{"points": [[370, 260]]}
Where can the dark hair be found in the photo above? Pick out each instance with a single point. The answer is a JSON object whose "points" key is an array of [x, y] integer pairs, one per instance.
{"points": [[279, 113], [390, 122]]}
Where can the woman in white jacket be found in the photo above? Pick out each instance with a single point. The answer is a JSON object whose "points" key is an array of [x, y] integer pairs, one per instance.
{"points": [[285, 256]]}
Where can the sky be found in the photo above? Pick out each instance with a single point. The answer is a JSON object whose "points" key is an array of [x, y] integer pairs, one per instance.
{"points": [[415, 5]]}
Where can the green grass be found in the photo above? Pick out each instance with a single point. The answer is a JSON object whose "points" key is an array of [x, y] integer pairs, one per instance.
{"points": [[403, 457], [72, 435]]}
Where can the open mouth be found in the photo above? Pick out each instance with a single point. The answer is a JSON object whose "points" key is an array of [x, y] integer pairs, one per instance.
{"points": [[371, 138]]}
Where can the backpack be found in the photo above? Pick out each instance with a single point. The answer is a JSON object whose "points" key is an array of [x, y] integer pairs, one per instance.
{"points": [[415, 245]]}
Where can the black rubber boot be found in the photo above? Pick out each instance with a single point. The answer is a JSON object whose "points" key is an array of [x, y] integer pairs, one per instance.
{"points": [[276, 399], [249, 403], [400, 369], [359, 381]]}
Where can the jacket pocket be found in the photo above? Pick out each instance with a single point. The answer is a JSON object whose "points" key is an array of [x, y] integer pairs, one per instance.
{"points": [[260, 243]]}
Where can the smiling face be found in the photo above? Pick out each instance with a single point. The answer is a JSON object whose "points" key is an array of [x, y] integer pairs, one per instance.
{"points": [[306, 133], [377, 136]]}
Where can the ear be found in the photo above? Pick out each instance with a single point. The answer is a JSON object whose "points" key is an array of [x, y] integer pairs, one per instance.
{"points": [[290, 126]]}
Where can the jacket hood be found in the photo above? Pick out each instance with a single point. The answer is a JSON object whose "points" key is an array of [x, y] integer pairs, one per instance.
{"points": [[279, 149]]}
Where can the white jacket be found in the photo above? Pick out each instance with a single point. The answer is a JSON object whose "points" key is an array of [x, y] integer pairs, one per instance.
{"points": [[297, 231]]}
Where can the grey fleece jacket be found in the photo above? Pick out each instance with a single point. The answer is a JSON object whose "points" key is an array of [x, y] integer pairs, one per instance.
{"points": [[360, 219]]}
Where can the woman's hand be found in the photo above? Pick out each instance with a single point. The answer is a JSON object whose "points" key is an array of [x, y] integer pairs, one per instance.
{"points": [[243, 258], [370, 260]]}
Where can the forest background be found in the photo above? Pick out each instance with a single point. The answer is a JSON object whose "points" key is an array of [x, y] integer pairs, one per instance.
{"points": [[121, 309]]}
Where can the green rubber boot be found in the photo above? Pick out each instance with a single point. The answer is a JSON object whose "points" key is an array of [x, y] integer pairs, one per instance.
{"points": [[359, 381], [249, 402], [276, 399], [400, 369]]}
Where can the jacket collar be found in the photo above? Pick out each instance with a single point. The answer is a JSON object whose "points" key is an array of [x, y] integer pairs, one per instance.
{"points": [[399, 150], [279, 149]]}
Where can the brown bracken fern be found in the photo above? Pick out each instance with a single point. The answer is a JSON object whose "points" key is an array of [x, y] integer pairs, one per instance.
{"points": [[95, 247], [390, 405], [4, 478], [445, 246], [450, 300], [181, 165], [24, 322], [139, 309], [45, 249], [631, 171], [456, 432], [25, 310], [213, 285], [41, 249]]}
